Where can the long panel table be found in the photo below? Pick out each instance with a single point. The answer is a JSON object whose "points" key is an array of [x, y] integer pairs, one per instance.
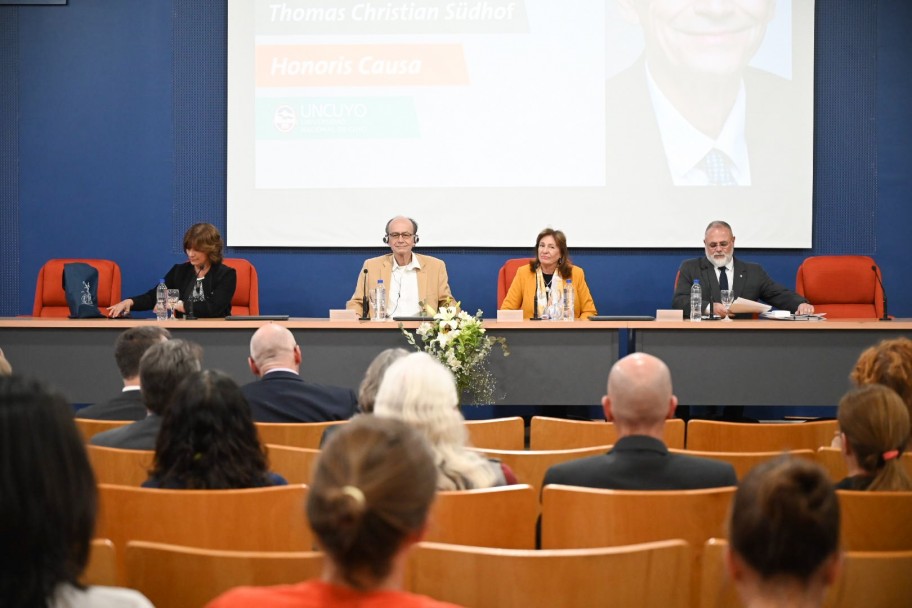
{"points": [[762, 362], [712, 363], [549, 363]]}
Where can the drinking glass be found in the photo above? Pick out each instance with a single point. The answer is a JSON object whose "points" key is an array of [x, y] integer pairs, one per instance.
{"points": [[728, 296], [173, 297]]}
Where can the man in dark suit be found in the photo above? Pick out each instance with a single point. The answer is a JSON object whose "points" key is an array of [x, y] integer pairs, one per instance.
{"points": [[161, 369], [280, 394], [639, 400], [129, 348], [747, 280]]}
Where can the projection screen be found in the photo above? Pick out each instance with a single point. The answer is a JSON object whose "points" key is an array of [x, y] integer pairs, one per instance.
{"points": [[625, 123]]}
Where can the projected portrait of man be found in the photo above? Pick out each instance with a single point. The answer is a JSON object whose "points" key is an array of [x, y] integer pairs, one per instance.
{"points": [[690, 111]]}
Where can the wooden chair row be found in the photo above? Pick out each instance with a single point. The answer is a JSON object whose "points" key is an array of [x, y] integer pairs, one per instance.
{"points": [[497, 433], [561, 434], [657, 574]]}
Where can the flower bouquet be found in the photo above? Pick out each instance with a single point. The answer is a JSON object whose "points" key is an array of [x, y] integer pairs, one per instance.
{"points": [[459, 341]]}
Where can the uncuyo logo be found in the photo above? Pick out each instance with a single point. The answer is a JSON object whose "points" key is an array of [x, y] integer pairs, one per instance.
{"points": [[284, 119]]}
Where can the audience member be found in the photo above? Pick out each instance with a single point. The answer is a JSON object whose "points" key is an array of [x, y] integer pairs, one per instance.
{"points": [[129, 348], [719, 269], [48, 503], [160, 371], [888, 362], [208, 440], [784, 535], [543, 280], [413, 281], [874, 427], [370, 384], [420, 390], [368, 504], [639, 400], [280, 394], [206, 285]]}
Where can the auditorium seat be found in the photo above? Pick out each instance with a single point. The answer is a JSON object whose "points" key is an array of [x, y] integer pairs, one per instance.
{"points": [[716, 436], [505, 277], [89, 427], [186, 577], [101, 568], [246, 300], [875, 521], [842, 286], [530, 466], [294, 464], [649, 575], [501, 517], [834, 462], [497, 433], [294, 434], [546, 433], [745, 461], [120, 467], [256, 519], [50, 299]]}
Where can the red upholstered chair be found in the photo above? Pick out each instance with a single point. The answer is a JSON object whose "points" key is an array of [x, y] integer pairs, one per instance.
{"points": [[50, 299], [246, 300], [843, 286], [505, 277]]}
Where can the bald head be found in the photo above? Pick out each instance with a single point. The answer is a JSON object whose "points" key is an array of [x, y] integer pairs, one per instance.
{"points": [[273, 346], [640, 397]]}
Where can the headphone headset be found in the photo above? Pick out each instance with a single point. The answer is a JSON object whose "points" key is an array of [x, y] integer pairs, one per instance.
{"points": [[386, 239]]}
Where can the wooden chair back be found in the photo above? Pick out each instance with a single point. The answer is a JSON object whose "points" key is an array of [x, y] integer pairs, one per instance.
{"points": [[118, 466], [257, 519], [102, 566], [574, 517], [295, 434], [296, 465], [530, 466], [716, 436], [644, 575], [89, 427], [497, 433], [188, 577], [876, 521], [833, 461], [874, 579], [547, 433], [502, 517], [745, 461]]}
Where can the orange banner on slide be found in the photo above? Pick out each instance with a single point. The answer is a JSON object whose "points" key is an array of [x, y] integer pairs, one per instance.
{"points": [[360, 65]]}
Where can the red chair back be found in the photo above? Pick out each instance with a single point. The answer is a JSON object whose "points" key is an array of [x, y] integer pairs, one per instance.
{"points": [[50, 299], [505, 277], [842, 286], [246, 300]]}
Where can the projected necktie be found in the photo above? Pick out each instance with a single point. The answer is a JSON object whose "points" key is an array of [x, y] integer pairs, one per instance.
{"points": [[723, 279], [717, 167]]}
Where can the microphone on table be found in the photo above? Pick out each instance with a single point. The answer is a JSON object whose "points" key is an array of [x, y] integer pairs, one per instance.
{"points": [[883, 290], [190, 316], [535, 316], [365, 301]]}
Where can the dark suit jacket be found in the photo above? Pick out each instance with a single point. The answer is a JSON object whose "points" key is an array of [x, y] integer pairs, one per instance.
{"points": [[639, 462], [126, 406], [282, 396], [218, 287], [750, 282], [140, 435]]}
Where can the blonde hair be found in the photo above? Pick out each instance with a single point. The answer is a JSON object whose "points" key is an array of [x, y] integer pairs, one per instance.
{"points": [[421, 391]]}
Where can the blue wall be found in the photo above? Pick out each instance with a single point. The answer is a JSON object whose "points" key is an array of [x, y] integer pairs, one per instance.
{"points": [[112, 142]]}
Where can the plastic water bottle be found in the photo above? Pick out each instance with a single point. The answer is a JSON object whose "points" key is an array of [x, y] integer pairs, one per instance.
{"points": [[696, 301], [380, 301], [161, 301], [569, 309]]}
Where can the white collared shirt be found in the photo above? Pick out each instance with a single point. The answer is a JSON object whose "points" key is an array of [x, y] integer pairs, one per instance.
{"points": [[686, 147], [404, 299]]}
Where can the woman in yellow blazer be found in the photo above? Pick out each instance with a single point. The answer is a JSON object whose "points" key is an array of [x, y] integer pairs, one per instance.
{"points": [[548, 272]]}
